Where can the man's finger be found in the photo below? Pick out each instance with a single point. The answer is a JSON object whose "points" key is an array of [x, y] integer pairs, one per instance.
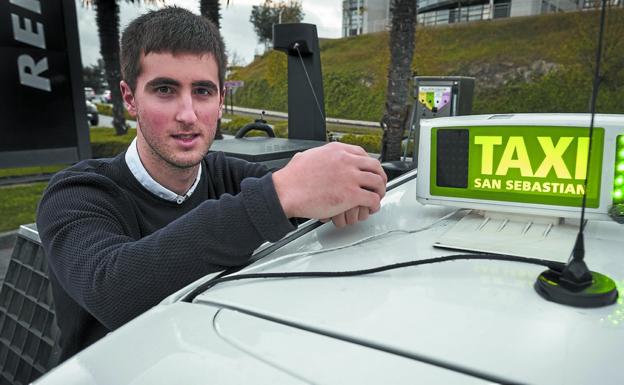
{"points": [[352, 215], [363, 213], [372, 182], [372, 165], [368, 199], [339, 220]]}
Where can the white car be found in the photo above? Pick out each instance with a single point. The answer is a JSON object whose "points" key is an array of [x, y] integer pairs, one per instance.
{"points": [[92, 114], [106, 96], [377, 303], [89, 93]]}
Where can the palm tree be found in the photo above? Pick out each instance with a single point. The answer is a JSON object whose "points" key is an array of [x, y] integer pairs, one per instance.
{"points": [[107, 20], [210, 9], [399, 73]]}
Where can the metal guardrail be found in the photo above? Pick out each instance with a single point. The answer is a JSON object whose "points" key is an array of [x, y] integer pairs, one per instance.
{"points": [[284, 115]]}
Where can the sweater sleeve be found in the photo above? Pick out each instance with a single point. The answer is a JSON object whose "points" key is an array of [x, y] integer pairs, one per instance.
{"points": [[90, 233]]}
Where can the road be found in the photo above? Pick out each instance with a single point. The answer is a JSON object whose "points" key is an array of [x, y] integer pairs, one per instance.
{"points": [[107, 121]]}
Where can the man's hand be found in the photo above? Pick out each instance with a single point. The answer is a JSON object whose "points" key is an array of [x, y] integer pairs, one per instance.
{"points": [[349, 217], [337, 181]]}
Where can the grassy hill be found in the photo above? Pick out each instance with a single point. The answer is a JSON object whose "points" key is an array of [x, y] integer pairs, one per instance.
{"points": [[528, 64]]}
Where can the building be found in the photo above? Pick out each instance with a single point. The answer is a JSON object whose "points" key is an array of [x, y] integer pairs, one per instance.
{"points": [[366, 16], [431, 12]]}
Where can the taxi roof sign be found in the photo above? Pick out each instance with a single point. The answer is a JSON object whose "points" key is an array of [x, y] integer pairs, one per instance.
{"points": [[533, 164]]}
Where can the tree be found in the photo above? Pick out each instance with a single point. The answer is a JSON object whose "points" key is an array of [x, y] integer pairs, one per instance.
{"points": [[93, 76], [107, 20], [211, 10], [399, 73], [264, 16], [235, 60]]}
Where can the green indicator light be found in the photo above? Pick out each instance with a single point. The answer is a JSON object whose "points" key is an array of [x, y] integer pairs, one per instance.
{"points": [[618, 178]]}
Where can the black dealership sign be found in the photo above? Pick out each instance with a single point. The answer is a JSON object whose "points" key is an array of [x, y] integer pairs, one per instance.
{"points": [[42, 108]]}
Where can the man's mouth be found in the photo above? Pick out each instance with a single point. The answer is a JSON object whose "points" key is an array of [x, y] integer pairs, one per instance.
{"points": [[185, 137]]}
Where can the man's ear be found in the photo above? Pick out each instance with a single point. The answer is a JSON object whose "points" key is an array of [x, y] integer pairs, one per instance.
{"points": [[128, 98], [221, 99]]}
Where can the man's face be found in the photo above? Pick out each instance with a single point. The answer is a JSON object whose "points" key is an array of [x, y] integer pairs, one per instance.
{"points": [[177, 103]]}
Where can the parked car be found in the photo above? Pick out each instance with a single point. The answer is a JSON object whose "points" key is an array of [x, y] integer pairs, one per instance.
{"points": [[89, 93], [92, 114], [106, 96]]}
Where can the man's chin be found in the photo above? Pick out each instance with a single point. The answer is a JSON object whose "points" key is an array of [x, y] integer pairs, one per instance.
{"points": [[186, 163]]}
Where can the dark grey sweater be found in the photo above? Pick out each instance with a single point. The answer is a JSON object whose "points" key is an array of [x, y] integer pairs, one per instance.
{"points": [[115, 250]]}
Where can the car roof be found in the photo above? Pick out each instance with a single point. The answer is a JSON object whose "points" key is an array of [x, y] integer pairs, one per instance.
{"points": [[479, 316]]}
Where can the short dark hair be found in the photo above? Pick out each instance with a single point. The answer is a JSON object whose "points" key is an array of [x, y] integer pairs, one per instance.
{"points": [[170, 29]]}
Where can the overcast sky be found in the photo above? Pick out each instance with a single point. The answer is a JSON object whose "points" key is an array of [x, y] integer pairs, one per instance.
{"points": [[235, 26]]}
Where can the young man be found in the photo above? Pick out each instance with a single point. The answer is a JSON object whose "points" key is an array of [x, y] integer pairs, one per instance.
{"points": [[121, 234]]}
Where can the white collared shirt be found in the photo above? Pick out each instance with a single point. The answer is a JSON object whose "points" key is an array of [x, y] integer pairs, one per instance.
{"points": [[140, 173]]}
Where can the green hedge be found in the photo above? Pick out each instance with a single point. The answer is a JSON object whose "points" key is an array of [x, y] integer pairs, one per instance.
{"points": [[105, 143], [107, 109], [28, 171], [280, 127], [370, 143]]}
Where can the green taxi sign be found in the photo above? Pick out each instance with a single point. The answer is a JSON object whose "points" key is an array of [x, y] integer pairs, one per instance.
{"points": [[528, 164], [531, 164]]}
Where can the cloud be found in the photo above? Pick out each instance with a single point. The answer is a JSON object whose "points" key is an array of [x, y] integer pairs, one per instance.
{"points": [[236, 29]]}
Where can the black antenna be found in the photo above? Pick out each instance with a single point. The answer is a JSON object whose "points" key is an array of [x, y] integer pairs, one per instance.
{"points": [[576, 285], [318, 105]]}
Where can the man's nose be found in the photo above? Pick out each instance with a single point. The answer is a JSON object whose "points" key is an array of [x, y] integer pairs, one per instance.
{"points": [[186, 110]]}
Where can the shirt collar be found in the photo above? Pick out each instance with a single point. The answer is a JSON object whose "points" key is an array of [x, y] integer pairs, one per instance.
{"points": [[142, 176]]}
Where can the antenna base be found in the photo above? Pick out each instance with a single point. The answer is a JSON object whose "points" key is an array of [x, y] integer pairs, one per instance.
{"points": [[600, 292]]}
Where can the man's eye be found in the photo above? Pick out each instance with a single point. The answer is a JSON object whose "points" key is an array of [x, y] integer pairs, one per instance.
{"points": [[203, 91], [164, 90]]}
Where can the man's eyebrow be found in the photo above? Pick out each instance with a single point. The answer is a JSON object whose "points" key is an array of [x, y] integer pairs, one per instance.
{"points": [[205, 83], [162, 81]]}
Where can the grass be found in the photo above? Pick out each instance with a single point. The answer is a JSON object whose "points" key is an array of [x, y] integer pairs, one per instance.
{"points": [[355, 68], [18, 204]]}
